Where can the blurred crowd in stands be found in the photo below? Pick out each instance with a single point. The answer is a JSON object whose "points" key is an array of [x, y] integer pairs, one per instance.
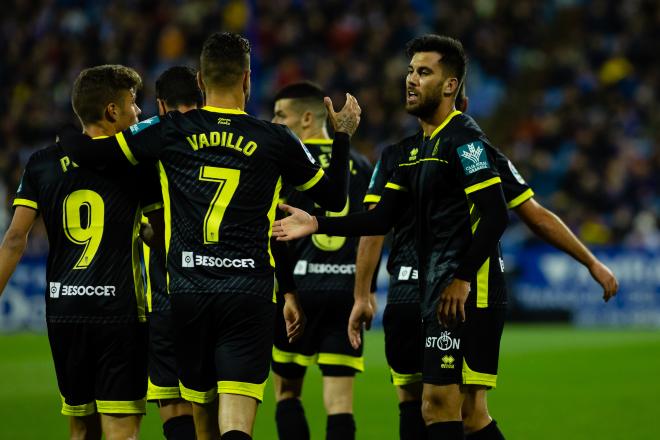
{"points": [[566, 88]]}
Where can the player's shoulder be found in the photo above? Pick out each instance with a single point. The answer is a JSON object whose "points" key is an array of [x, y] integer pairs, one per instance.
{"points": [[398, 151], [45, 155], [463, 132]]}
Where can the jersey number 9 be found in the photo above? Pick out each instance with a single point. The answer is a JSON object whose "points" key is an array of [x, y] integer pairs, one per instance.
{"points": [[89, 204]]}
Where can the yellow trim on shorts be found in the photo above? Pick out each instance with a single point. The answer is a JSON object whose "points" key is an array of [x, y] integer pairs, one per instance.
{"points": [[27, 203], [371, 198], [400, 379], [121, 140], [254, 390], [122, 406], [311, 182], [155, 392], [471, 377], [520, 199], [396, 187], [482, 284], [482, 185], [343, 360], [285, 357], [198, 396], [86, 409]]}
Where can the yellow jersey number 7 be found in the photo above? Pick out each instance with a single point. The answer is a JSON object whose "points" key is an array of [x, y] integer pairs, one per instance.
{"points": [[227, 178]]}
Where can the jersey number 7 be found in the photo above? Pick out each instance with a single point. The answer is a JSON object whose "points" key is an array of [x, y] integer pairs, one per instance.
{"points": [[228, 183]]}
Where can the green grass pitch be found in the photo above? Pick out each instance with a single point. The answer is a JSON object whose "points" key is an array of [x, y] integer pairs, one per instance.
{"points": [[554, 382]]}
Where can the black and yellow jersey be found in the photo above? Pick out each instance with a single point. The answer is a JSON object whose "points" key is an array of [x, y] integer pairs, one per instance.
{"points": [[402, 261], [455, 161], [92, 219], [158, 299], [325, 262], [221, 172]]}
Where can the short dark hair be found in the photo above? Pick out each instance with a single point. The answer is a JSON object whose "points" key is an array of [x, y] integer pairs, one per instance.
{"points": [[178, 86], [225, 56], [98, 86], [453, 58], [301, 90]]}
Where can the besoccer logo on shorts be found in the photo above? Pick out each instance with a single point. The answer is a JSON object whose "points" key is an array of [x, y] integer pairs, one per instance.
{"points": [[187, 259], [54, 289]]}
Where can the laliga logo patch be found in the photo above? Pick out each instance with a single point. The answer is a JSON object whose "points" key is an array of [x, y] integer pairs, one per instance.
{"points": [[187, 259], [54, 289]]}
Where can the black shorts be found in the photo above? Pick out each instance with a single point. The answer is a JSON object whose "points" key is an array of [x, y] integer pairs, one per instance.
{"points": [[403, 342], [222, 343], [467, 354], [163, 379], [100, 367], [325, 340]]}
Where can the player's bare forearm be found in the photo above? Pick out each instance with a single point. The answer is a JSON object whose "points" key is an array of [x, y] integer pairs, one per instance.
{"points": [[14, 243], [548, 226], [366, 264], [294, 316]]}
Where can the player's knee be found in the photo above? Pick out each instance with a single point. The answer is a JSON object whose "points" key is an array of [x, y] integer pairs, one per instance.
{"points": [[337, 403], [287, 388], [440, 406]]}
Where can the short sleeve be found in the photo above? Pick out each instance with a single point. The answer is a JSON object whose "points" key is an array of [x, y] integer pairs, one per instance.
{"points": [[27, 194], [475, 166], [382, 172], [297, 164], [151, 197], [399, 181], [515, 188], [142, 142]]}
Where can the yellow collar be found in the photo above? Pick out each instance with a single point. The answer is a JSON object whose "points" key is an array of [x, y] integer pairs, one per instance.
{"points": [[444, 123], [231, 111]]}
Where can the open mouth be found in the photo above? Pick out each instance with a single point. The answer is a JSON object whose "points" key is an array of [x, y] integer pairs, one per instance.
{"points": [[411, 97]]}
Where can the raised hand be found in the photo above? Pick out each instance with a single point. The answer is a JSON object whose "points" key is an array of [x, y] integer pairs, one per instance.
{"points": [[348, 118], [297, 225]]}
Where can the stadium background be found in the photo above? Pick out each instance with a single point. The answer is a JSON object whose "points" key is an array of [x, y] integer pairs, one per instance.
{"points": [[566, 88]]}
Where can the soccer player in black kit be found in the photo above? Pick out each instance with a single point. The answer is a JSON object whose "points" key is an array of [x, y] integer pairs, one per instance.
{"points": [[221, 171], [460, 213], [95, 308], [324, 276], [402, 316]]}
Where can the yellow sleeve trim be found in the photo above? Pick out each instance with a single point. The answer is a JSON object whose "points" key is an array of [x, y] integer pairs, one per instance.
{"points": [[152, 207], [311, 182], [371, 198], [254, 390], [521, 199], [124, 147], [396, 187], [26, 202], [482, 185]]}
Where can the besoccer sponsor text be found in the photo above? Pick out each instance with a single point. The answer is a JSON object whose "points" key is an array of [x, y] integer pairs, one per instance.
{"points": [[303, 268], [189, 259], [57, 289]]}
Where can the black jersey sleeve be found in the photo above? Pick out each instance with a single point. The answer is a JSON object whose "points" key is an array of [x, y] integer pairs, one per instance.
{"points": [[27, 193], [151, 197], [474, 165], [382, 172], [300, 170], [515, 188]]}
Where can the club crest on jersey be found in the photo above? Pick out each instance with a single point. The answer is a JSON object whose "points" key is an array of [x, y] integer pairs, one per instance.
{"points": [[136, 128], [413, 154], [473, 157]]}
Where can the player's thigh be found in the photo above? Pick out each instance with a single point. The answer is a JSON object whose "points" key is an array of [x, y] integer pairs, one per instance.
{"points": [[443, 354], [243, 350], [402, 324], [482, 336], [195, 319], [337, 357], [72, 348], [163, 377], [121, 370]]}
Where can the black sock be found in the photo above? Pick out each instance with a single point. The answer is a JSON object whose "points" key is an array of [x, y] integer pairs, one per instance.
{"points": [[291, 421], [179, 428], [235, 435], [445, 431], [340, 427], [490, 432], [411, 422]]}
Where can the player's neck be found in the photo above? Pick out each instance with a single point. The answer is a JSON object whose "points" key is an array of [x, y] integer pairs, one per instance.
{"points": [[432, 122], [315, 133], [99, 129], [226, 98]]}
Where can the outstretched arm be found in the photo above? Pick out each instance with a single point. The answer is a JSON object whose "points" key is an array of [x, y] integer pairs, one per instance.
{"points": [[14, 243], [548, 226], [377, 221]]}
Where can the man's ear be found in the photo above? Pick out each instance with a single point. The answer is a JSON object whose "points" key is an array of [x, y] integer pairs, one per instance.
{"points": [[162, 109], [307, 119], [246, 80], [200, 81], [450, 86], [112, 112]]}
